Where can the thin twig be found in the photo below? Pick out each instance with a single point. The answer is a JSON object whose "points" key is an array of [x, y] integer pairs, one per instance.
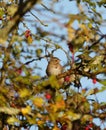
{"points": [[21, 11], [39, 58], [96, 42], [47, 8], [38, 19]]}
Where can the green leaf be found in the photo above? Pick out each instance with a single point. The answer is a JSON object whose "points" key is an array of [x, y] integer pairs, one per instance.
{"points": [[24, 92], [38, 52], [24, 80], [1, 12], [103, 82], [12, 120], [53, 81], [102, 89], [35, 77]]}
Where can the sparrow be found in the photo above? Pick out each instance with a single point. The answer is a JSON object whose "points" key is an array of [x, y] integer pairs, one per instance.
{"points": [[55, 68]]}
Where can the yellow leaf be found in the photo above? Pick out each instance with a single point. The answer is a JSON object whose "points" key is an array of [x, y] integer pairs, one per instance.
{"points": [[53, 82], [86, 32], [12, 120], [70, 115], [38, 101], [3, 40], [24, 93], [90, 92], [71, 33], [56, 128], [31, 120], [57, 106], [35, 77], [39, 122], [9, 110], [86, 118], [26, 110], [29, 39], [58, 97], [12, 9], [60, 105], [1, 12], [52, 108], [38, 52]]}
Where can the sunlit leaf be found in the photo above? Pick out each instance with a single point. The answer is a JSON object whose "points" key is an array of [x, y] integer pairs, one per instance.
{"points": [[12, 120], [10, 111], [38, 52], [1, 13], [12, 9], [92, 91], [70, 115], [71, 33], [56, 128], [22, 79], [26, 110], [103, 82], [29, 39], [24, 92], [35, 77], [86, 118], [53, 81], [102, 89], [38, 101], [27, 96]]}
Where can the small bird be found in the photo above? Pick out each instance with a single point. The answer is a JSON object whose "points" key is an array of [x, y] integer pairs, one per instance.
{"points": [[55, 68]]}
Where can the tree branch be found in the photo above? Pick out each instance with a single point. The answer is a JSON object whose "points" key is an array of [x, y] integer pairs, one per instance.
{"points": [[96, 42], [22, 9], [82, 73]]}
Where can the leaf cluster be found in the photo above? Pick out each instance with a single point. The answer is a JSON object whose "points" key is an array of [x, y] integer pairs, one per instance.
{"points": [[26, 96]]}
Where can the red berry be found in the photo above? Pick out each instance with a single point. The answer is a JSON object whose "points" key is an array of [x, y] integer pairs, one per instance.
{"points": [[19, 71], [67, 78], [87, 128], [11, 18], [90, 125], [48, 96], [71, 47], [64, 127], [94, 81], [13, 105], [27, 33]]}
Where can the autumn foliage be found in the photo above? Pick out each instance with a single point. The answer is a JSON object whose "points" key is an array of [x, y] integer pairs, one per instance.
{"points": [[30, 32]]}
